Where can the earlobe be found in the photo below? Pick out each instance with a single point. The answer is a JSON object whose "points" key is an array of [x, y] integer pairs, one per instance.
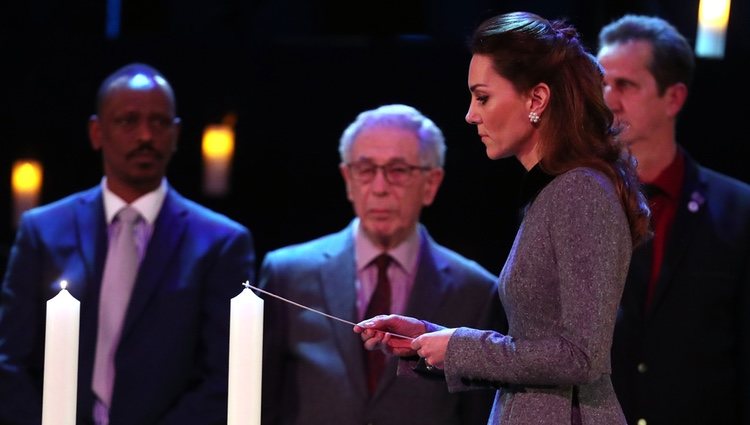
{"points": [[676, 95], [345, 176], [434, 180], [95, 133]]}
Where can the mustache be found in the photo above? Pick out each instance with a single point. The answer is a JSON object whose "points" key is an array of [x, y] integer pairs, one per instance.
{"points": [[145, 148]]}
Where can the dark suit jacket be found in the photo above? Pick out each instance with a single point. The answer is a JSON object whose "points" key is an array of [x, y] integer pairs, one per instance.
{"points": [[172, 360], [687, 359], [313, 369]]}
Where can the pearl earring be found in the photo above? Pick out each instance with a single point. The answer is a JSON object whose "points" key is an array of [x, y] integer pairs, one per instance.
{"points": [[533, 117]]}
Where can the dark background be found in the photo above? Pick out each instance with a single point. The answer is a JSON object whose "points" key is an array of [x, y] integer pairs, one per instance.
{"points": [[295, 73]]}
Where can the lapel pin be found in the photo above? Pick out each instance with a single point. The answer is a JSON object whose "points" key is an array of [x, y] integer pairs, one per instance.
{"points": [[696, 200]]}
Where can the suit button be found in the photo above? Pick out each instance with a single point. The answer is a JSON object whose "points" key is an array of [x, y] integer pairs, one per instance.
{"points": [[641, 421], [642, 369]]}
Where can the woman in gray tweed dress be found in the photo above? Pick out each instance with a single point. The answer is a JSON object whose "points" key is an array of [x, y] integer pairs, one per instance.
{"points": [[537, 96]]}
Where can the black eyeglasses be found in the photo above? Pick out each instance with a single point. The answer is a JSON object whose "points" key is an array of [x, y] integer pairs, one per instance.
{"points": [[396, 173]]}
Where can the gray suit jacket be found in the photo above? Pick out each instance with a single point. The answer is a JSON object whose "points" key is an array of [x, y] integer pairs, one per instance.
{"points": [[560, 287], [313, 370]]}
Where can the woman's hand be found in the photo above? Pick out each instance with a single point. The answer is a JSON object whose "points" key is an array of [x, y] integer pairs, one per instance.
{"points": [[391, 333], [432, 346]]}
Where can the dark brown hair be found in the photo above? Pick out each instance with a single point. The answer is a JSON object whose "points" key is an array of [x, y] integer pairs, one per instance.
{"points": [[577, 126], [672, 60]]}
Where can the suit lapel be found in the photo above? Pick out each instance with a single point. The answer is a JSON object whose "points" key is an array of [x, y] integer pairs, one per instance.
{"points": [[90, 230], [337, 277], [690, 210], [168, 229], [431, 281], [90, 221]]}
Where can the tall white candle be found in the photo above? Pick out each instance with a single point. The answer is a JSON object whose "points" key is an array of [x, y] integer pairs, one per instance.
{"points": [[61, 359], [245, 358]]}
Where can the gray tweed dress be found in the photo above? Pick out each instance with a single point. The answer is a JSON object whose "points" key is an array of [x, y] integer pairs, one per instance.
{"points": [[560, 286]]}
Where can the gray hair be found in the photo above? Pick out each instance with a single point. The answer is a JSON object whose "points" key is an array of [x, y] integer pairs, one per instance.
{"points": [[431, 139]]}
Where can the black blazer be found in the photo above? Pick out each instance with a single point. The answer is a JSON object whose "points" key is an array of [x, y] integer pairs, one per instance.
{"points": [[687, 359]]}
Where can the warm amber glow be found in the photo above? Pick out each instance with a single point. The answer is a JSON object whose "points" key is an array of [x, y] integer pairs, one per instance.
{"points": [[218, 141], [26, 184], [713, 13], [26, 177], [713, 16], [218, 148]]}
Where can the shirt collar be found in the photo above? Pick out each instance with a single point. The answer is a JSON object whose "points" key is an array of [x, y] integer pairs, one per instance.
{"points": [[147, 205], [670, 179], [405, 254]]}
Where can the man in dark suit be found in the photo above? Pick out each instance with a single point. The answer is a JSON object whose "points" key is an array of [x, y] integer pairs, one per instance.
{"points": [[315, 369], [681, 350], [168, 363]]}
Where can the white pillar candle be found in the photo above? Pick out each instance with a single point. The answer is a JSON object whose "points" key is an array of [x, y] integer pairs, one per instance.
{"points": [[245, 358], [61, 359]]}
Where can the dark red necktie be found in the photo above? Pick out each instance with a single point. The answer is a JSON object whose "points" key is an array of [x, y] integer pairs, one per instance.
{"points": [[380, 303]]}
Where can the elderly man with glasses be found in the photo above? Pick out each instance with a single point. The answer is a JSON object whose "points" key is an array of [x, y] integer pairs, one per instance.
{"points": [[315, 369]]}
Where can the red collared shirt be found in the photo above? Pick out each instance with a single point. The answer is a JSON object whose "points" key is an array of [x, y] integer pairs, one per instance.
{"points": [[663, 209]]}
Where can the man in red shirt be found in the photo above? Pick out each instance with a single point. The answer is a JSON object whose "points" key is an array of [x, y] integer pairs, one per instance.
{"points": [[681, 349]]}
